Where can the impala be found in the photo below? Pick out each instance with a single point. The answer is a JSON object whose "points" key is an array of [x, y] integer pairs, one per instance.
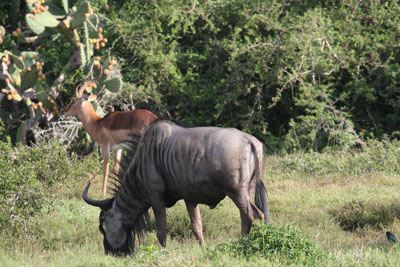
{"points": [[112, 129]]}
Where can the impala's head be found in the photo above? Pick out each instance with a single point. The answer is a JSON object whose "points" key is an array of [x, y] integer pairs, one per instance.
{"points": [[118, 236], [79, 99]]}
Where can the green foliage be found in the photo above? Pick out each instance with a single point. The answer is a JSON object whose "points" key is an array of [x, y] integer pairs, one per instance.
{"points": [[28, 96], [375, 157], [30, 179], [318, 73], [361, 213], [65, 232], [283, 242]]}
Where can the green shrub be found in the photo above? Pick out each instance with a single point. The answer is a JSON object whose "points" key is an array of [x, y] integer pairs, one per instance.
{"points": [[30, 178], [375, 157], [284, 242], [359, 214]]}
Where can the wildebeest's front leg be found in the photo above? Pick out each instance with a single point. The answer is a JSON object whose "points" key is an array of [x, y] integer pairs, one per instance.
{"points": [[197, 228], [160, 215]]}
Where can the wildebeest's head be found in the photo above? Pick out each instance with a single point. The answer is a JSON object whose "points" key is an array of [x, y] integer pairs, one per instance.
{"points": [[118, 235]]}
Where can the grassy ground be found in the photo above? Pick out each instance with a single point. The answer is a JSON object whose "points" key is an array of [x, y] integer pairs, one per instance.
{"points": [[315, 193]]}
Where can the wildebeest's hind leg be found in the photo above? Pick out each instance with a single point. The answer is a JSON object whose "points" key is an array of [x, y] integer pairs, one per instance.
{"points": [[195, 218], [248, 211]]}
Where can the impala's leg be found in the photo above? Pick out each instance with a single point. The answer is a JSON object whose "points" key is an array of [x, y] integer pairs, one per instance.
{"points": [[106, 161], [194, 214], [117, 159]]}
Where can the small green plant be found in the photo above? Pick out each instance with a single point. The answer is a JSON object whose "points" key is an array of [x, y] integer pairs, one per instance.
{"points": [[269, 241], [360, 213]]}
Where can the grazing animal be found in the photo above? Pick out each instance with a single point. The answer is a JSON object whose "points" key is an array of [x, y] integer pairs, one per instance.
{"points": [[391, 237], [201, 165], [109, 131]]}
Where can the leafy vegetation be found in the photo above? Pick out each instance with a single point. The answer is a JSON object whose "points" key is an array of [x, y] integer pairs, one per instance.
{"points": [[318, 204], [297, 75], [316, 81], [32, 178], [31, 97], [283, 242], [355, 214]]}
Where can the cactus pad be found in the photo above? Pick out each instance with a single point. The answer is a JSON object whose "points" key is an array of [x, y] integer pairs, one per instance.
{"points": [[46, 19], [65, 6], [17, 61], [29, 79], [114, 84], [2, 31], [42, 96], [34, 26], [79, 16], [55, 10]]}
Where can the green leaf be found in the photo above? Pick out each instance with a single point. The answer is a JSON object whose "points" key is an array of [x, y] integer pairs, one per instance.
{"points": [[46, 19], [98, 109], [113, 84], [29, 54], [21, 131], [83, 55], [55, 10], [17, 61], [34, 26], [42, 95], [15, 74], [29, 79], [79, 15], [65, 5], [2, 31], [4, 115], [93, 22], [87, 43], [103, 77]]}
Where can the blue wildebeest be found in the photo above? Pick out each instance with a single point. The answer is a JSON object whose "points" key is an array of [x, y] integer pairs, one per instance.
{"points": [[201, 165]]}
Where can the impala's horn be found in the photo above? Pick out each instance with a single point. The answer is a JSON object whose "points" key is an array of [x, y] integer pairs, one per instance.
{"points": [[103, 204]]}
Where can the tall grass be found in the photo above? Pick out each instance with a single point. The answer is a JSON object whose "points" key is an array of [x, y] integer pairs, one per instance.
{"points": [[316, 193]]}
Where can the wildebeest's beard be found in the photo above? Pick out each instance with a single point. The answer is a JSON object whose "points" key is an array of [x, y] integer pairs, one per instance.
{"points": [[127, 248]]}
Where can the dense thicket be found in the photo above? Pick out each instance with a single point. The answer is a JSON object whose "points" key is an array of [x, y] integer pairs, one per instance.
{"points": [[311, 74]]}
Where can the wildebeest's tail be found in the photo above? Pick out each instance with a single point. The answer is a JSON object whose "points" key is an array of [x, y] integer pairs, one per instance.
{"points": [[261, 192]]}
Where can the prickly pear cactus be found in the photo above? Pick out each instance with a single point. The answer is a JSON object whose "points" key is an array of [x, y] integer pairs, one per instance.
{"points": [[27, 97]]}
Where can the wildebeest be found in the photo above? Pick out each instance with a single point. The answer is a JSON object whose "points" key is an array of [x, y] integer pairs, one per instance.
{"points": [[201, 165]]}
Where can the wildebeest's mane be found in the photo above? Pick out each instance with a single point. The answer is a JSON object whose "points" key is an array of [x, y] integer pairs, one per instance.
{"points": [[129, 191], [175, 121]]}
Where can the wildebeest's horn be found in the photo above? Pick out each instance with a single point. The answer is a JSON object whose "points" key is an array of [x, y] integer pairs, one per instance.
{"points": [[103, 204]]}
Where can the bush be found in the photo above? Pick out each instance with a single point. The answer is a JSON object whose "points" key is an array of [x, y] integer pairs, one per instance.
{"points": [[359, 214], [375, 157], [30, 178], [283, 242]]}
